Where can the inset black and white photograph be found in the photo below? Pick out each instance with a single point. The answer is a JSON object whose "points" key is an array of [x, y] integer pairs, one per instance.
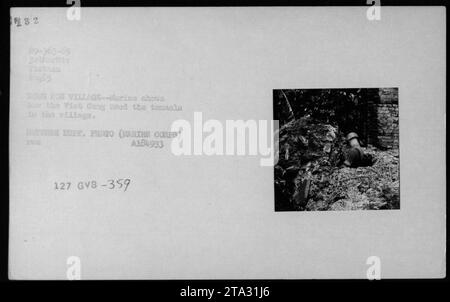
{"points": [[338, 149]]}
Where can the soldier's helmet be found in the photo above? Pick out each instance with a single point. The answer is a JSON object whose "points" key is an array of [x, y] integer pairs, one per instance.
{"points": [[351, 136]]}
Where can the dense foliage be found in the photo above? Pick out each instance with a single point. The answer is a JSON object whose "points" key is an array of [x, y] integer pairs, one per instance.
{"points": [[345, 109]]}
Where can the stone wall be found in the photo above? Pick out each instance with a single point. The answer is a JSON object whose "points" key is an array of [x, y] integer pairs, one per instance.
{"points": [[387, 118], [382, 117]]}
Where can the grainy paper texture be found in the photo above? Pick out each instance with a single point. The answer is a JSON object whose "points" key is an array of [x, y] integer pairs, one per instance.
{"points": [[208, 217]]}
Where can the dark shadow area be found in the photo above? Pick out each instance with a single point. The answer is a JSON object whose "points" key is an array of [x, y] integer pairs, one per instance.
{"points": [[313, 146]]}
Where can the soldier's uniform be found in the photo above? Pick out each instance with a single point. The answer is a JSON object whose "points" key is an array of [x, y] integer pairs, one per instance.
{"points": [[355, 156]]}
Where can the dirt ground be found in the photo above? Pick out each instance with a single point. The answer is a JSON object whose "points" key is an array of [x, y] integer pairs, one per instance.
{"points": [[363, 188]]}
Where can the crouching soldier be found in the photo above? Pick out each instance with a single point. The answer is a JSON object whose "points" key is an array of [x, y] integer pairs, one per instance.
{"points": [[355, 156]]}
